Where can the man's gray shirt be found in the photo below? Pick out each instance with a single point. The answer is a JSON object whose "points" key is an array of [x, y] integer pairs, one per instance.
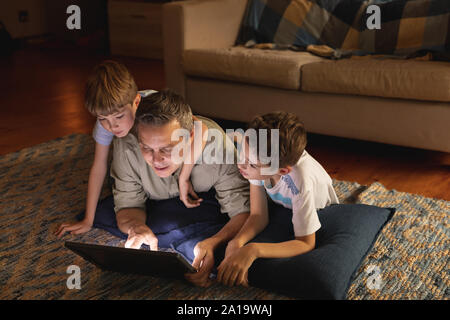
{"points": [[135, 181]]}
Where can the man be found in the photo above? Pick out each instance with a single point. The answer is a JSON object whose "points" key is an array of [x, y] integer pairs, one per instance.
{"points": [[143, 167]]}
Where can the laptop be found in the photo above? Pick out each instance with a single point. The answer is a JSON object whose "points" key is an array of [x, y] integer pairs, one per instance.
{"points": [[124, 260]]}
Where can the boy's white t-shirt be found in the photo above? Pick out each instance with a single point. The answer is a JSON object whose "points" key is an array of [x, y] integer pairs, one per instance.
{"points": [[105, 137], [306, 189]]}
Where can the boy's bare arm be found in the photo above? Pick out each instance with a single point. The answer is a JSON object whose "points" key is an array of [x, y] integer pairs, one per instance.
{"points": [[234, 269], [184, 183], [258, 219], [186, 189], [95, 183], [96, 179], [284, 249]]}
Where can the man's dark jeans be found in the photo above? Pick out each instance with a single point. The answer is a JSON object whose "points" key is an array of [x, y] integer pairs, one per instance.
{"points": [[181, 228]]}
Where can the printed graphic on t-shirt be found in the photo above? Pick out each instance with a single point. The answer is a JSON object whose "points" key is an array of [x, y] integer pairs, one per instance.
{"points": [[290, 184]]}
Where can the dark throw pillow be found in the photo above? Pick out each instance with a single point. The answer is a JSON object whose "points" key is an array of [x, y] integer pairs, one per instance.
{"points": [[347, 234]]}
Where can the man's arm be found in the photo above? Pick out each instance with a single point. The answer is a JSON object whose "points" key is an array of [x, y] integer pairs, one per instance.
{"points": [[130, 218], [129, 199], [132, 222], [232, 190], [127, 188]]}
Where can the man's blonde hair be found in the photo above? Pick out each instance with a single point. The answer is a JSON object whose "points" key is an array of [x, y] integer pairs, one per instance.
{"points": [[109, 88]]}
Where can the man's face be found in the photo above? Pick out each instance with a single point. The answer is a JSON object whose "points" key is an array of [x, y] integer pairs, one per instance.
{"points": [[156, 147]]}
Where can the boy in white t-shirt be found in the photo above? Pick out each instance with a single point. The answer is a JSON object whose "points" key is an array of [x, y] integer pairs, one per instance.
{"points": [[299, 183], [112, 96]]}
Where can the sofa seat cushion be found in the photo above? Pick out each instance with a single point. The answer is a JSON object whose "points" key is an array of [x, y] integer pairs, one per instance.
{"points": [[274, 68], [393, 78]]}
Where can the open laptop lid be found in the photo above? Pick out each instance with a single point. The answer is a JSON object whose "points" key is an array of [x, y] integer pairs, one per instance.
{"points": [[144, 262]]}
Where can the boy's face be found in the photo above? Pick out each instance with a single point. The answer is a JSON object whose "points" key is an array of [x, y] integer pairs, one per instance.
{"points": [[121, 122], [249, 166], [157, 146]]}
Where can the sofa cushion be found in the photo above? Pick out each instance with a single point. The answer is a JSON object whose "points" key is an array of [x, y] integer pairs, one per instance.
{"points": [[274, 68], [393, 78]]}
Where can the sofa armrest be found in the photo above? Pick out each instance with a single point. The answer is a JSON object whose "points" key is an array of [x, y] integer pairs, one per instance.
{"points": [[197, 24]]}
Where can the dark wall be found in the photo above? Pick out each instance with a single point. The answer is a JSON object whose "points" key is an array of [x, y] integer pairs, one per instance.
{"points": [[93, 17]]}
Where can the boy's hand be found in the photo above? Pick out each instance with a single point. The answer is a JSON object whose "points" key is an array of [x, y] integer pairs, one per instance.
{"points": [[234, 269], [203, 262], [188, 195], [141, 235], [73, 228], [232, 248]]}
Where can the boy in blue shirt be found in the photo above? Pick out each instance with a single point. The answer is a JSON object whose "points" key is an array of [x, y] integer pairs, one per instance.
{"points": [[112, 97]]}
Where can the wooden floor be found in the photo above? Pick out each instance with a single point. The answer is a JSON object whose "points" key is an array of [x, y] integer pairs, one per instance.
{"points": [[41, 98]]}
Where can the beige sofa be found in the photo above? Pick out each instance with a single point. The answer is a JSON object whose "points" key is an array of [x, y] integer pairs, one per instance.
{"points": [[401, 102]]}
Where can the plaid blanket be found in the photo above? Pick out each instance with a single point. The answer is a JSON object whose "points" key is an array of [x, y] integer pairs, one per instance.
{"points": [[339, 28]]}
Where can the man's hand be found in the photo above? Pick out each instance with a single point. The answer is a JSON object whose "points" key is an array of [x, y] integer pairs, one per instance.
{"points": [[139, 235], [234, 269], [187, 194], [73, 228], [203, 262]]}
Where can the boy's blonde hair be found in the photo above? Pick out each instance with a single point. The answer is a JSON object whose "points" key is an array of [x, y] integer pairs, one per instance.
{"points": [[109, 88], [292, 135]]}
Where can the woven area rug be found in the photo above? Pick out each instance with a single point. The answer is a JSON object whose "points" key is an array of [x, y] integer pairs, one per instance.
{"points": [[45, 185]]}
